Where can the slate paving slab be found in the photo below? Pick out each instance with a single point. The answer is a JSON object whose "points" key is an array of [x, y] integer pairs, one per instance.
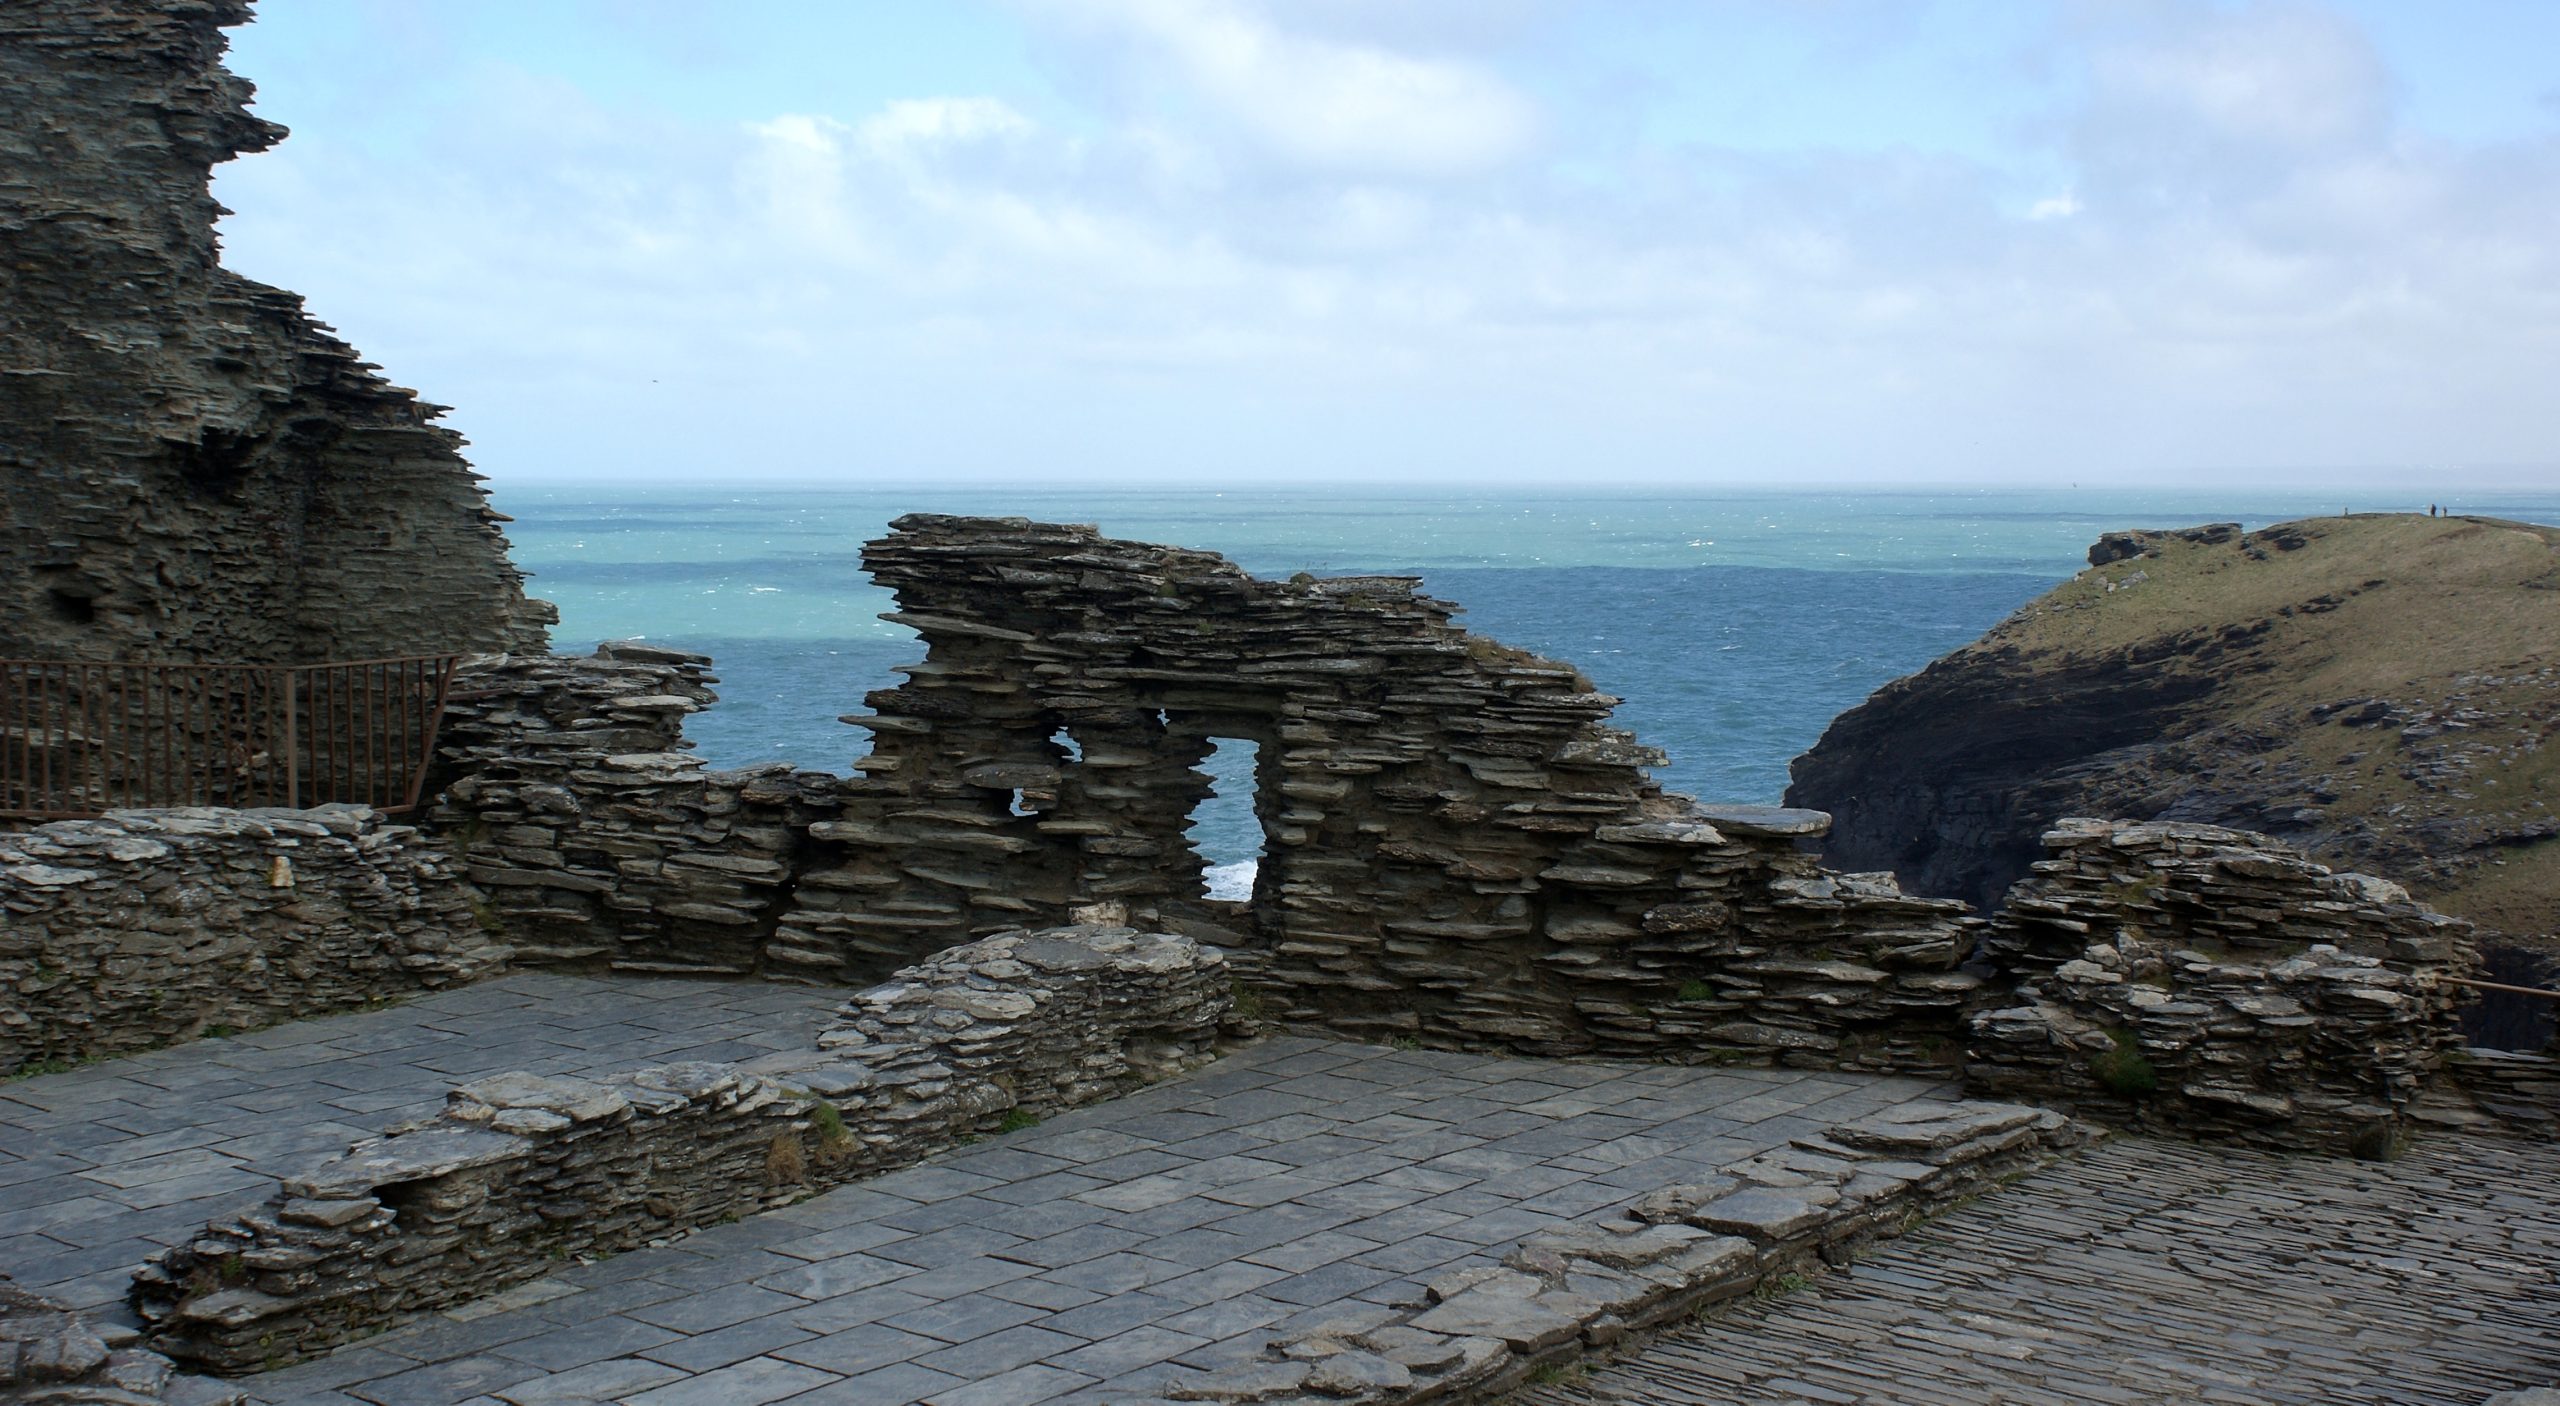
{"points": [[1086, 1260], [1095, 1257], [2153, 1271], [101, 1165]]}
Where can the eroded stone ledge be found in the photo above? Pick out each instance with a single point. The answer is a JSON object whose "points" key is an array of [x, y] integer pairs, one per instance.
{"points": [[1661, 1258], [520, 1172]]}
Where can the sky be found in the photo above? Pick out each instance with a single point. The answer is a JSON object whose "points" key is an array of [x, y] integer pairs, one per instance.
{"points": [[1433, 242]]}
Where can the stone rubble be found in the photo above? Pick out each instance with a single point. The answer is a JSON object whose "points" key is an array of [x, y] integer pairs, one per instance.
{"points": [[1659, 1261], [147, 927], [51, 1355], [2212, 983], [521, 1172]]}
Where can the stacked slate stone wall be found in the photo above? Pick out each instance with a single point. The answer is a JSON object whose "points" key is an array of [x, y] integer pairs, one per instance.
{"points": [[146, 927], [1459, 849], [521, 1172], [596, 834], [2210, 982]]}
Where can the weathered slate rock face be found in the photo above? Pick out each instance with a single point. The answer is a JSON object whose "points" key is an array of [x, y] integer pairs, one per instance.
{"points": [[130, 932], [522, 1171], [1458, 846], [2207, 982], [195, 468]]}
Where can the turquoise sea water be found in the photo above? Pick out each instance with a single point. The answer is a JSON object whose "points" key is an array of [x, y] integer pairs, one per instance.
{"points": [[1735, 622]]}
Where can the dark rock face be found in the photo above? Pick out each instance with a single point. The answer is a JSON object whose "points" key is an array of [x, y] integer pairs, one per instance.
{"points": [[1948, 778], [195, 468]]}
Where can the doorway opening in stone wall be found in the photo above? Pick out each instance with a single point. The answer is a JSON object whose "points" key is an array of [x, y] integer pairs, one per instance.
{"points": [[1225, 828]]}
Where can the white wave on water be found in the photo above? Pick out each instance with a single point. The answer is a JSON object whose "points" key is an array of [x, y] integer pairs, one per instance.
{"points": [[1232, 882]]}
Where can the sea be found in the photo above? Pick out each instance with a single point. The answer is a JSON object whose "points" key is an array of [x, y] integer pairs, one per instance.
{"points": [[1734, 622]]}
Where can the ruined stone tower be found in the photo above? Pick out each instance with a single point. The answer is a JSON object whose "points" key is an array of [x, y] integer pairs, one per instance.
{"points": [[194, 469]]}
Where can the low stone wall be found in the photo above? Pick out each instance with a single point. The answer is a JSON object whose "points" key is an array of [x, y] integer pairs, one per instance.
{"points": [[596, 834], [2212, 983], [50, 1354], [520, 1172], [1670, 1254], [146, 927]]}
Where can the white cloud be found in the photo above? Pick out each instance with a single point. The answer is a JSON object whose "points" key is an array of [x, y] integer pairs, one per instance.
{"points": [[939, 121], [1327, 102], [943, 284], [2279, 74]]}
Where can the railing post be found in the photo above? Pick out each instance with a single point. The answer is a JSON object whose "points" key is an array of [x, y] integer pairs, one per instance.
{"points": [[292, 744]]}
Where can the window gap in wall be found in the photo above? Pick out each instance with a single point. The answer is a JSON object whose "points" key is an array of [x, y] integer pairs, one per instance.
{"points": [[1225, 830]]}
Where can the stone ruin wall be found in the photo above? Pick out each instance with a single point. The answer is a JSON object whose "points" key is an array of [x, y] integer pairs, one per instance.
{"points": [[1459, 851], [521, 1172], [568, 789], [2207, 982], [196, 469], [150, 927], [1458, 848]]}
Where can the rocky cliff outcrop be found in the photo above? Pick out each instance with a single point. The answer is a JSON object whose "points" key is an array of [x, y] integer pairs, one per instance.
{"points": [[194, 467], [2378, 690]]}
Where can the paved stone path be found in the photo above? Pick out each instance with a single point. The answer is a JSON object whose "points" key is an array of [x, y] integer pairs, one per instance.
{"points": [[1085, 1259], [2153, 1271], [105, 1164]]}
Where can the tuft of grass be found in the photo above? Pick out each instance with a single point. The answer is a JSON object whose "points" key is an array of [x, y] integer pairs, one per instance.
{"points": [[786, 1162], [1406, 1042], [1779, 1285], [828, 1121], [1017, 1119], [1694, 990], [2123, 1071], [1247, 1002]]}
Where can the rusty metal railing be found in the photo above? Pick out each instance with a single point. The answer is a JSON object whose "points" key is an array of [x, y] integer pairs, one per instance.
{"points": [[79, 738]]}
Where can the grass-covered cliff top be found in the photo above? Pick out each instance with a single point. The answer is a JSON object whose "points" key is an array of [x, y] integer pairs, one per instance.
{"points": [[2396, 675]]}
